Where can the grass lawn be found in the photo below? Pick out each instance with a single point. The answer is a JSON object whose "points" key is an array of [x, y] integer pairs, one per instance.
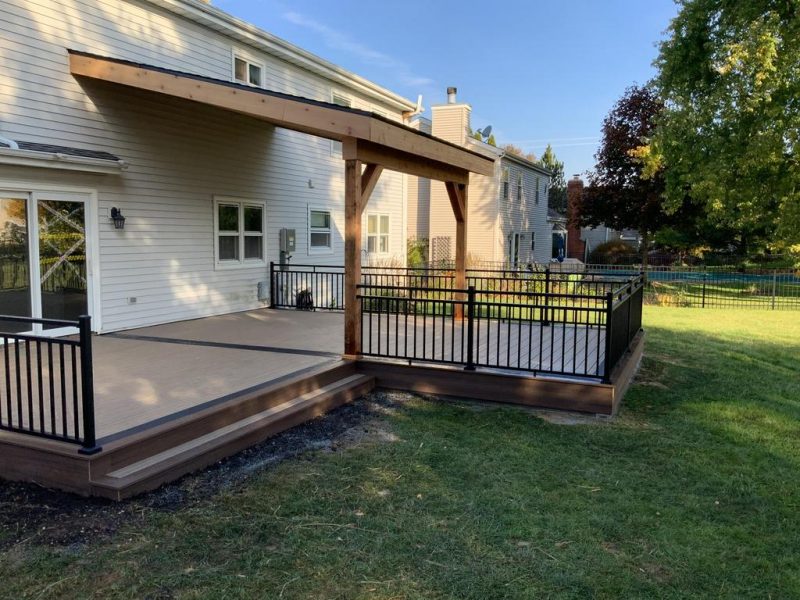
{"points": [[693, 491]]}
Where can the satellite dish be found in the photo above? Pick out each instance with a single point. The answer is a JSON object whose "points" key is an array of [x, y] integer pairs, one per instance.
{"points": [[487, 131]]}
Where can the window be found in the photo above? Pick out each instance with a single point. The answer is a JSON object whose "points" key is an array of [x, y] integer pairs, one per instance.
{"points": [[319, 231], [519, 187], [247, 71], [505, 183], [239, 231], [339, 100], [536, 193], [377, 234], [533, 244]]}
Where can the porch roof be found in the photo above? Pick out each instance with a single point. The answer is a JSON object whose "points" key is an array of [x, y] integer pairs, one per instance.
{"points": [[380, 140]]}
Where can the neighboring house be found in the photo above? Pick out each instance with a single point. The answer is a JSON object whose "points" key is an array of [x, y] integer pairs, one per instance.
{"points": [[204, 192], [507, 221], [582, 241], [558, 234]]}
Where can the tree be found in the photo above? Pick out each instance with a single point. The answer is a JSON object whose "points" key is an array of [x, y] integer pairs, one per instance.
{"points": [[729, 74], [619, 194], [557, 197]]}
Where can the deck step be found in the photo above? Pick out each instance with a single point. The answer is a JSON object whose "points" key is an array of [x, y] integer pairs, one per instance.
{"points": [[151, 471]]}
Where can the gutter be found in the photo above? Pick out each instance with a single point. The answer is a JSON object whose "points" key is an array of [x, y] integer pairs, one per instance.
{"points": [[57, 160]]}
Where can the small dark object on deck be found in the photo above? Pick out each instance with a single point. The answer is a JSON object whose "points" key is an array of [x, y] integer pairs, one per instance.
{"points": [[305, 301]]}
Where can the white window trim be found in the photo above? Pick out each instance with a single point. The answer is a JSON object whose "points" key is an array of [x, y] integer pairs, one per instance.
{"points": [[378, 235], [505, 184], [251, 59], [336, 147], [319, 250], [242, 262]]}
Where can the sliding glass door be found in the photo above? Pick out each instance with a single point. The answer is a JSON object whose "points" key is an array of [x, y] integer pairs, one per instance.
{"points": [[43, 244]]}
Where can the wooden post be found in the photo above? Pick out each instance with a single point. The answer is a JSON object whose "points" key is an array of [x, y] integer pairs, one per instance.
{"points": [[458, 200], [357, 189], [352, 257]]}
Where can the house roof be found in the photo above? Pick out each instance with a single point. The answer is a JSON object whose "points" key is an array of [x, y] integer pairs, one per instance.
{"points": [[376, 135], [526, 163], [213, 18], [554, 215]]}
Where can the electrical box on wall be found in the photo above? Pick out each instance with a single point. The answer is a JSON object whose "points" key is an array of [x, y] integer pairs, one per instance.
{"points": [[287, 241]]}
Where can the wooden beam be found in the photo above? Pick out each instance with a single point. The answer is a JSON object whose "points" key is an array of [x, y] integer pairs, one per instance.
{"points": [[352, 256], [369, 179], [395, 160], [457, 193], [290, 112], [456, 201]]}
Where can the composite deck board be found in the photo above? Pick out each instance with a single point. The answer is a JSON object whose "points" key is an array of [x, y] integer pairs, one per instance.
{"points": [[150, 373], [138, 381]]}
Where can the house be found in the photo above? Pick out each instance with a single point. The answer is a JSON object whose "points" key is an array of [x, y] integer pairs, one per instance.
{"points": [[157, 157], [204, 193], [582, 241], [507, 211]]}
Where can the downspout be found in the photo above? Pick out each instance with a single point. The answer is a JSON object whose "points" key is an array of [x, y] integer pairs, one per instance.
{"points": [[12, 145]]}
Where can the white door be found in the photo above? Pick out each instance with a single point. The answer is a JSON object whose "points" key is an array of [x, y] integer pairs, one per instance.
{"points": [[44, 249]]}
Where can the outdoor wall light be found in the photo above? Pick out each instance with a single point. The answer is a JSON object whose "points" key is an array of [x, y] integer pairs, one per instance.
{"points": [[119, 220]]}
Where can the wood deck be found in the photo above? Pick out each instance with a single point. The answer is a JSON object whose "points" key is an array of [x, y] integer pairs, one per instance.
{"points": [[174, 398]]}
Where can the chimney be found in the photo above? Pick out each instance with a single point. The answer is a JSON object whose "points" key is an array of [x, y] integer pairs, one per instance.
{"points": [[576, 247], [451, 95]]}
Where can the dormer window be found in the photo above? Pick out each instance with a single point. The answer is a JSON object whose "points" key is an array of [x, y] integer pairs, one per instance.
{"points": [[247, 71]]}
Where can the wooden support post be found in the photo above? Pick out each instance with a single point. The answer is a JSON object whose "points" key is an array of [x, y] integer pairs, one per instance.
{"points": [[352, 257], [457, 193], [357, 189]]}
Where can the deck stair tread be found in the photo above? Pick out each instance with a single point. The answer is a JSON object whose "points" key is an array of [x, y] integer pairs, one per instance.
{"points": [[173, 457]]}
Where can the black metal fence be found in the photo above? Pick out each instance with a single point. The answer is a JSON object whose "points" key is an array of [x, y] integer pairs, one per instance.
{"points": [[713, 287], [573, 334], [47, 384]]}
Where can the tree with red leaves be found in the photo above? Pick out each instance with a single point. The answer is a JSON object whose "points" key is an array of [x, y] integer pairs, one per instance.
{"points": [[619, 194]]}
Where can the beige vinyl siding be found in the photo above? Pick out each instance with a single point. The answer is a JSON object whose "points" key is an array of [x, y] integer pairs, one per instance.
{"points": [[179, 154], [419, 195], [525, 217]]}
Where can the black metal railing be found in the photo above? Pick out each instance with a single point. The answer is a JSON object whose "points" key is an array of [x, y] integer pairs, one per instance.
{"points": [[47, 383], [316, 287], [574, 334]]}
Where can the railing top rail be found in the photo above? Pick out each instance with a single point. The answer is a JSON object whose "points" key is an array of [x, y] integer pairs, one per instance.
{"points": [[36, 321], [363, 286], [27, 337]]}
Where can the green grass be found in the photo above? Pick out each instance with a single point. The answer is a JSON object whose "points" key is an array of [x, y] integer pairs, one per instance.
{"points": [[694, 491]]}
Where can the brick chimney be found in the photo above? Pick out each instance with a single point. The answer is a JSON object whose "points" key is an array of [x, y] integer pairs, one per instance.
{"points": [[576, 247]]}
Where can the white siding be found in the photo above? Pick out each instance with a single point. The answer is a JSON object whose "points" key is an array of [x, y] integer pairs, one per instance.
{"points": [[180, 154]]}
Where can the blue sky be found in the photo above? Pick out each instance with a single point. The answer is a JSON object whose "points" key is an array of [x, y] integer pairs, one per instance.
{"points": [[537, 72]]}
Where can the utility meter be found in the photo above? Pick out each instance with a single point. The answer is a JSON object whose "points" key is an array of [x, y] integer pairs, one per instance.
{"points": [[287, 241]]}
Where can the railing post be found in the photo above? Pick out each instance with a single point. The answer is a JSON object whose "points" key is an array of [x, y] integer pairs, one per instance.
{"points": [[609, 317], [470, 329], [774, 287], [546, 320], [703, 305], [272, 284], [89, 445]]}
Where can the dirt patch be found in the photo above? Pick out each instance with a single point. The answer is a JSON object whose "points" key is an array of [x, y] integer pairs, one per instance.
{"points": [[35, 515]]}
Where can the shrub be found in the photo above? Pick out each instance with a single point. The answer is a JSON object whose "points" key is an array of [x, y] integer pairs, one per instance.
{"points": [[615, 252]]}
